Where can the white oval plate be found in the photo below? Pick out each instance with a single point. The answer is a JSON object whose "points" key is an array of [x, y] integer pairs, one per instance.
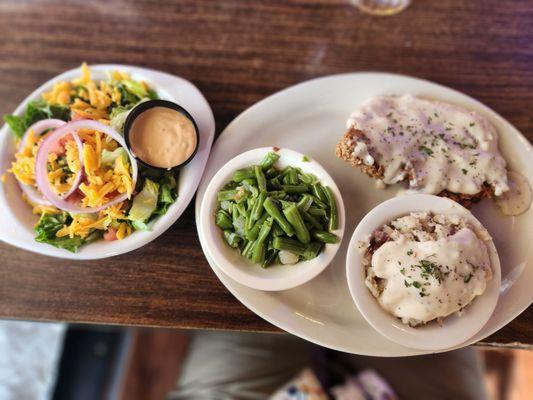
{"points": [[17, 222], [455, 329], [310, 118]]}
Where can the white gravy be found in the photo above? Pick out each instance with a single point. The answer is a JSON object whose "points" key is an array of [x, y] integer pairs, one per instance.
{"points": [[431, 279], [436, 146], [517, 199]]}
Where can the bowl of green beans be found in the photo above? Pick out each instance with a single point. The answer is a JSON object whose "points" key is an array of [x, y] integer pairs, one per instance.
{"points": [[272, 219]]}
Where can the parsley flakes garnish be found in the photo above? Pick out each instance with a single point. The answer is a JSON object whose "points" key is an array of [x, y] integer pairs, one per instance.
{"points": [[430, 269], [426, 150]]}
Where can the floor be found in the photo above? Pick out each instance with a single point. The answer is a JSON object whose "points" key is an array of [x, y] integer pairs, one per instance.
{"points": [[157, 356], [509, 373]]}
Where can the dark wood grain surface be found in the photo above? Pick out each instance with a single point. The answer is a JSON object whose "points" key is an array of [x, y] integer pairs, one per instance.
{"points": [[237, 52]]}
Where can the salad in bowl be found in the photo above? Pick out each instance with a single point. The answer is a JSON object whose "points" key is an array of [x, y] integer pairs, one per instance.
{"points": [[74, 169]]}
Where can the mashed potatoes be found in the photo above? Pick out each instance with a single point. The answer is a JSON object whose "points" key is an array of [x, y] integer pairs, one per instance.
{"points": [[424, 267]]}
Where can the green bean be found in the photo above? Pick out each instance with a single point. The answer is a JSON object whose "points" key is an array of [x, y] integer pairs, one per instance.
{"points": [[250, 185], [249, 224], [308, 179], [269, 160], [225, 195], [271, 173], [292, 177], [252, 233], [269, 259], [305, 202], [284, 243], [333, 222], [226, 205], [261, 179], [232, 238], [295, 219], [275, 183], [246, 252], [312, 250], [285, 171], [235, 213], [242, 210], [242, 194], [223, 220], [243, 173], [258, 249], [318, 202], [276, 230], [318, 191], [274, 211], [258, 253], [257, 209], [291, 189], [325, 237], [312, 220], [317, 212], [277, 194]]}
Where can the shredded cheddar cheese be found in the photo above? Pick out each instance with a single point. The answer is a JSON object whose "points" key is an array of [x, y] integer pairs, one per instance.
{"points": [[82, 225]]}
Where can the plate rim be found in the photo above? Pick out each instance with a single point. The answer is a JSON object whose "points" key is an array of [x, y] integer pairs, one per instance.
{"points": [[166, 223], [274, 96]]}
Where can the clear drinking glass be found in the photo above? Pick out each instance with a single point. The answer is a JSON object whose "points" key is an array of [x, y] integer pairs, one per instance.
{"points": [[381, 7]]}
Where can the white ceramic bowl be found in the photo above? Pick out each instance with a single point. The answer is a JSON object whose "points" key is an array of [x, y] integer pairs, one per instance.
{"points": [[455, 329], [276, 277]]}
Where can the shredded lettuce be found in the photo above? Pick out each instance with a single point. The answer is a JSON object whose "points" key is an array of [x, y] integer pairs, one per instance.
{"points": [[48, 226], [118, 117], [36, 110], [119, 114], [167, 195], [135, 88], [17, 125], [139, 226], [145, 203], [109, 157]]}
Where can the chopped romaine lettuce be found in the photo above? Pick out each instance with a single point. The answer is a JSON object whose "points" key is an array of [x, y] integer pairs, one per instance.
{"points": [[109, 157], [135, 88], [167, 195], [145, 203], [49, 224], [119, 114], [36, 110], [117, 111], [17, 125], [118, 117], [139, 226]]}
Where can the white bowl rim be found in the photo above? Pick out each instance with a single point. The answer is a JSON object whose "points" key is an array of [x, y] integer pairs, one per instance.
{"points": [[207, 229], [455, 329]]}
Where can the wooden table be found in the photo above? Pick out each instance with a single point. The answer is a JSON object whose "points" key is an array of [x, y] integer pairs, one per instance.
{"points": [[237, 52]]}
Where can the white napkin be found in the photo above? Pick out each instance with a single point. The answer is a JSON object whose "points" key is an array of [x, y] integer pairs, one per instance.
{"points": [[29, 357]]}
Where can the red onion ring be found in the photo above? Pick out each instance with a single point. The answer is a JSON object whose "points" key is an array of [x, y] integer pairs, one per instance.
{"points": [[38, 128], [42, 156]]}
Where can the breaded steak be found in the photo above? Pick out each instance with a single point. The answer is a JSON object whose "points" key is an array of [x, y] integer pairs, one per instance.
{"points": [[437, 147]]}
